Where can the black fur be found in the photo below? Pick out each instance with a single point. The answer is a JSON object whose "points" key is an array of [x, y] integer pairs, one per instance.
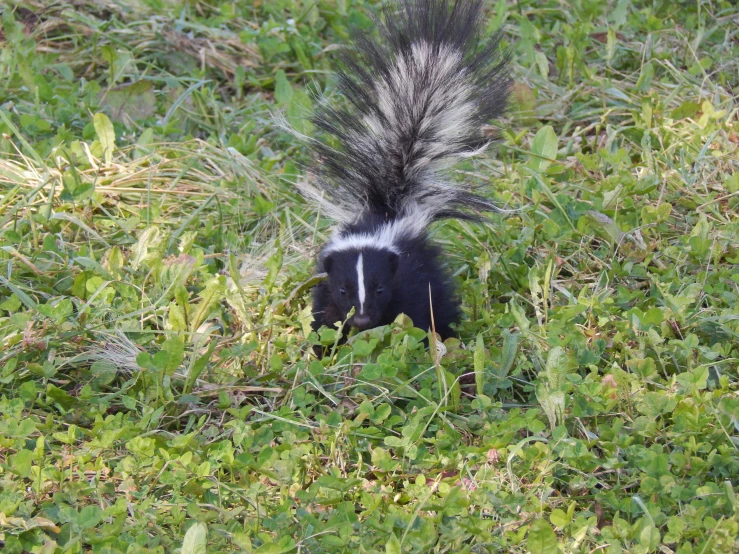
{"points": [[415, 100], [406, 280]]}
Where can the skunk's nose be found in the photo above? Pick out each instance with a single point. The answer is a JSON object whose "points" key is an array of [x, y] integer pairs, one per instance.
{"points": [[361, 321]]}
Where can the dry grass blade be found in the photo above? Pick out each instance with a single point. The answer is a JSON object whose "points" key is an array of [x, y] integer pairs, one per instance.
{"points": [[182, 172], [57, 28]]}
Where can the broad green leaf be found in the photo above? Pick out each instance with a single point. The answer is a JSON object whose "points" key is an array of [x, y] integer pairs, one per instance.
{"points": [[619, 13], [685, 110], [556, 368], [196, 539], [519, 315], [283, 90], [645, 77], [695, 380], [60, 397], [210, 297], [610, 45], [542, 63], [273, 264], [175, 348], [508, 352], [552, 402], [382, 412], [543, 148], [145, 140], [149, 249], [160, 360], [132, 101], [113, 262], [549, 390], [559, 518], [675, 525], [12, 304], [392, 546], [284, 546], [650, 538], [370, 372], [541, 539], [21, 463], [89, 517], [106, 136], [176, 318]]}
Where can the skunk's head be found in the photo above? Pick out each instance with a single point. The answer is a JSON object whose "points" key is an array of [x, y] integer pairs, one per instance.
{"points": [[362, 279]]}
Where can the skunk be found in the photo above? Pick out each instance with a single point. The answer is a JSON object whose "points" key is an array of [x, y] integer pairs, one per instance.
{"points": [[414, 100]]}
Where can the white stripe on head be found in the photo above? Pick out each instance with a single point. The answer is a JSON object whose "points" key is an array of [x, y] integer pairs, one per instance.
{"points": [[360, 281], [412, 224]]}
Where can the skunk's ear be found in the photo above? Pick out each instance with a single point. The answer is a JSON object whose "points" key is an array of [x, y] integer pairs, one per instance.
{"points": [[394, 260], [328, 263]]}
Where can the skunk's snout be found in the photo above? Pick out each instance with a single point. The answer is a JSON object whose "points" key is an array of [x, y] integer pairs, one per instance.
{"points": [[361, 322]]}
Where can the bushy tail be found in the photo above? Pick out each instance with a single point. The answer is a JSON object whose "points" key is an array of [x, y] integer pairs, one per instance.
{"points": [[416, 99]]}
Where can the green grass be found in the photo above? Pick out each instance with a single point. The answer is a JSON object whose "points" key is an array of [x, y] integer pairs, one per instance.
{"points": [[156, 384]]}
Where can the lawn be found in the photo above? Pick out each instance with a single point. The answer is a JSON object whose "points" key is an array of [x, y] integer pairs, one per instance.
{"points": [[158, 390]]}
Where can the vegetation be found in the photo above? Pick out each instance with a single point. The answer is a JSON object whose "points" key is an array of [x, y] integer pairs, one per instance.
{"points": [[157, 385]]}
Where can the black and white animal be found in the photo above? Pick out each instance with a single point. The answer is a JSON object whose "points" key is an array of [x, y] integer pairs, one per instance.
{"points": [[415, 100]]}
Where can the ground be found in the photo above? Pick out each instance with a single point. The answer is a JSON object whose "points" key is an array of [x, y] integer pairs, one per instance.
{"points": [[157, 385]]}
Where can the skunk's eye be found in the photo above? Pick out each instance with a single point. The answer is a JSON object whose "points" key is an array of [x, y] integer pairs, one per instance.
{"points": [[342, 291], [380, 289]]}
